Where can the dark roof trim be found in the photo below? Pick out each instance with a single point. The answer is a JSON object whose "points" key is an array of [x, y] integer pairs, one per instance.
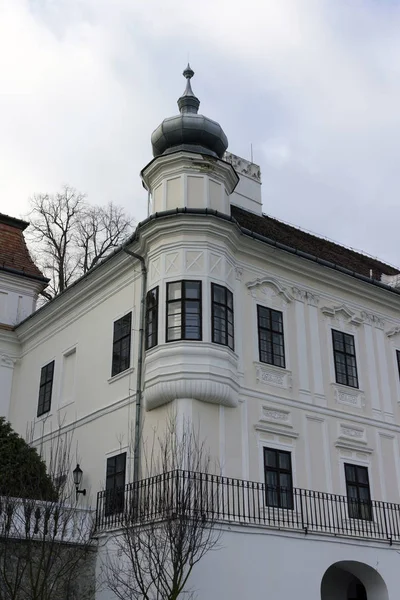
{"points": [[214, 213], [266, 240], [24, 274], [13, 222]]}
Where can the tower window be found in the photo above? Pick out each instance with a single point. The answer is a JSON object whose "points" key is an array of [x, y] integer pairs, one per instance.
{"points": [[152, 318], [222, 316], [345, 358], [184, 320]]}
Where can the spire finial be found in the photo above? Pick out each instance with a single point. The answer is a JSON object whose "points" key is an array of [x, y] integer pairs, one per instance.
{"points": [[188, 103]]}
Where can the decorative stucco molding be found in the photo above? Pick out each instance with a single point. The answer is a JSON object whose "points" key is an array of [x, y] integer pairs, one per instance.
{"points": [[203, 389], [355, 433], [342, 312], [348, 396], [305, 296], [270, 375], [194, 371], [279, 416], [392, 332], [373, 320], [265, 282], [7, 361]]}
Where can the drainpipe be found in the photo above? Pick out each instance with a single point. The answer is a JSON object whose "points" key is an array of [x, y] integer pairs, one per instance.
{"points": [[139, 379]]}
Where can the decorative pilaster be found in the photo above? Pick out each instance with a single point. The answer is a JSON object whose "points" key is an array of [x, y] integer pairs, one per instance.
{"points": [[301, 337]]}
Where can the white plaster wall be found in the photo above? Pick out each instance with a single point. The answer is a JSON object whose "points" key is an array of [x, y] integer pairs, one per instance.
{"points": [[258, 563], [298, 408]]}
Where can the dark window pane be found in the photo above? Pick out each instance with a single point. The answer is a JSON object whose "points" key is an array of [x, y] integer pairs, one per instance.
{"points": [[174, 291], [121, 344], [278, 478], [183, 311], [115, 484], [152, 318], [358, 492], [270, 458], [192, 289], [45, 388], [344, 358], [270, 336], [222, 320]]}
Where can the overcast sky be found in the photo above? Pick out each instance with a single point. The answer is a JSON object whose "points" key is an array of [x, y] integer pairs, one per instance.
{"points": [[313, 85]]}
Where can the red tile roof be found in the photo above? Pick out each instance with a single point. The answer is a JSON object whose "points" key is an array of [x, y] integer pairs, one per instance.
{"points": [[306, 242], [14, 254]]}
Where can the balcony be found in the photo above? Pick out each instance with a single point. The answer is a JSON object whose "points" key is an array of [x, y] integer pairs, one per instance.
{"points": [[227, 500]]}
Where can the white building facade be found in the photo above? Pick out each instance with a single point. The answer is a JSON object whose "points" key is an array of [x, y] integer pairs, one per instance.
{"points": [[282, 348]]}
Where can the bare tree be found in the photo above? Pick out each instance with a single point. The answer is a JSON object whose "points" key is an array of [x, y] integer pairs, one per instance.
{"points": [[46, 544], [167, 525], [68, 236]]}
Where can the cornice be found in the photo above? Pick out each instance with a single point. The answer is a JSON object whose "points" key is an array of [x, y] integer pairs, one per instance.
{"points": [[177, 163], [71, 306]]}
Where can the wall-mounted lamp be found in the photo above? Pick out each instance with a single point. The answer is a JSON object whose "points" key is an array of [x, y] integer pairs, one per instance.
{"points": [[77, 473]]}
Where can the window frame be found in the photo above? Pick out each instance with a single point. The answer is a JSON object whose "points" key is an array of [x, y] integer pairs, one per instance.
{"points": [[115, 495], [278, 470], [398, 361], [183, 299], [345, 354], [358, 509], [155, 322], [43, 406], [260, 308], [228, 311], [115, 372]]}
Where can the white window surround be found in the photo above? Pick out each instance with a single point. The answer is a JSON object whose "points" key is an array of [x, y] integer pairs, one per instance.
{"points": [[332, 323], [123, 374], [111, 343], [276, 445], [67, 353], [115, 452], [205, 309], [55, 391], [256, 353], [360, 462], [395, 347]]}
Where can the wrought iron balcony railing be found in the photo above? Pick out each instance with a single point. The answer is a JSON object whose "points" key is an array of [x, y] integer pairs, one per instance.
{"points": [[180, 494]]}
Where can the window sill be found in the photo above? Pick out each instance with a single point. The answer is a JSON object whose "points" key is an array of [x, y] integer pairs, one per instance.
{"points": [[120, 375], [44, 416]]}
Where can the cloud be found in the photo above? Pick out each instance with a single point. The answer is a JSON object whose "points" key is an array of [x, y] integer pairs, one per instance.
{"points": [[313, 85]]}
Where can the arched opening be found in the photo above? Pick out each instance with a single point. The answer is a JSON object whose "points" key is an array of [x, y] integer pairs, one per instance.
{"points": [[352, 580]]}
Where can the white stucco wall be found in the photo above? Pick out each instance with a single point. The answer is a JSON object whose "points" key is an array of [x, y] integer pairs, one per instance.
{"points": [[252, 562]]}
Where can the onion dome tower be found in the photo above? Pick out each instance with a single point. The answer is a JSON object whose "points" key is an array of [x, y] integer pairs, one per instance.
{"points": [[188, 169]]}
